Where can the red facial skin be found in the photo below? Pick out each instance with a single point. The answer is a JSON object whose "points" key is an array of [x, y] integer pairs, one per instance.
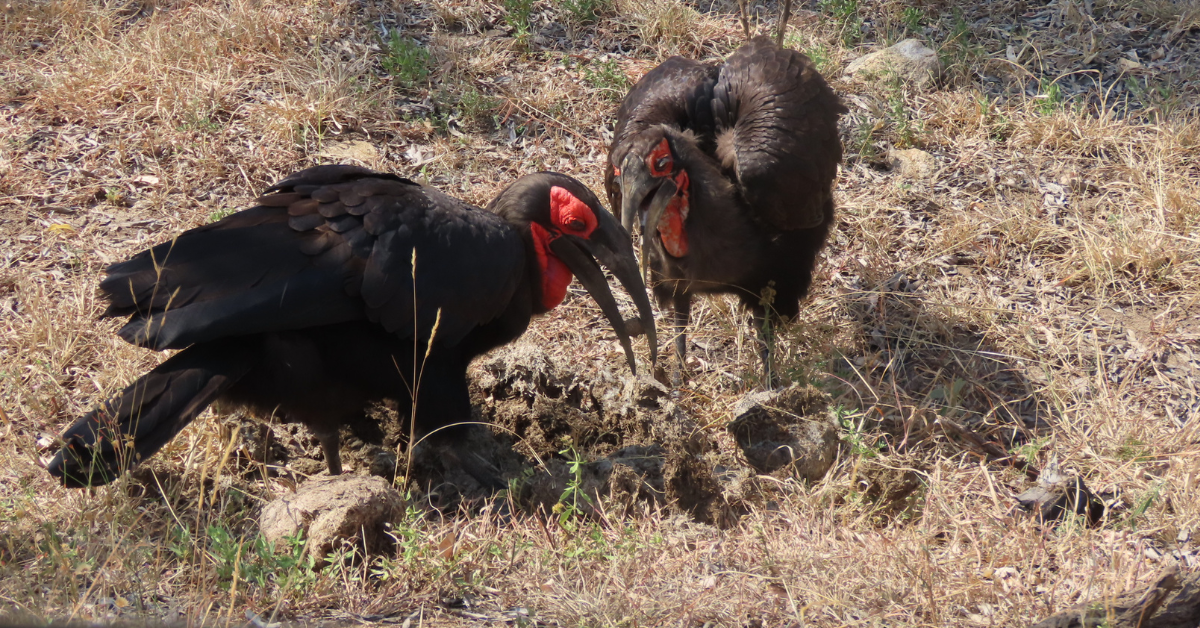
{"points": [[671, 228], [569, 215]]}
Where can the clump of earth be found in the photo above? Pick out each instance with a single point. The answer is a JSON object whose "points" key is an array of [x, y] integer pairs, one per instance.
{"points": [[549, 429]]}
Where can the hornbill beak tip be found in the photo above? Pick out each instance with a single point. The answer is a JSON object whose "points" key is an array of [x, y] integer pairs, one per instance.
{"points": [[611, 247]]}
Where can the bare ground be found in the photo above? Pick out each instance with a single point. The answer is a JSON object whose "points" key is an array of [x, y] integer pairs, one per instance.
{"points": [[1037, 286]]}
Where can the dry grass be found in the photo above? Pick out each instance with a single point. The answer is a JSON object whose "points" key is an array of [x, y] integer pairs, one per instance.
{"points": [[1041, 287]]}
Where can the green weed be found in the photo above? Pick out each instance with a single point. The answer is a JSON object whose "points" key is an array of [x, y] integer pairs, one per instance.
{"points": [[406, 60], [608, 77], [570, 503], [1133, 450], [1141, 505], [1049, 98], [912, 18], [516, 15], [853, 426], [254, 560], [478, 107], [584, 11], [845, 14], [907, 129], [1029, 451], [961, 51]]}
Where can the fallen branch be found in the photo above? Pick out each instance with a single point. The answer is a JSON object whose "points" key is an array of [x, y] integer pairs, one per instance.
{"points": [[989, 450], [1169, 602]]}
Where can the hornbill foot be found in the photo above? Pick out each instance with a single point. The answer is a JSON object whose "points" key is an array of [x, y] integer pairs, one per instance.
{"points": [[480, 470]]}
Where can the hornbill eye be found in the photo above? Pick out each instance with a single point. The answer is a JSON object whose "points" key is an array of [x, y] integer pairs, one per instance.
{"points": [[576, 225], [659, 159]]}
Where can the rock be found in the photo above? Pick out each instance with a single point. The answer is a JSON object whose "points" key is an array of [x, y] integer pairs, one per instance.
{"points": [[788, 430], [912, 163], [1058, 493], [354, 150], [910, 60], [330, 511]]}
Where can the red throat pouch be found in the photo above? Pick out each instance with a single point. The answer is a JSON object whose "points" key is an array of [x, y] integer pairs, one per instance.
{"points": [[671, 228], [555, 274]]}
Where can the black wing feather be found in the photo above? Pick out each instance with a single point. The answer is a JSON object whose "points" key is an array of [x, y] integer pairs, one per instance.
{"points": [[327, 245], [779, 119]]}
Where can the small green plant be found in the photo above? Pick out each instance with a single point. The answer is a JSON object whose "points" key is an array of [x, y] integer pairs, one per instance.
{"points": [[1141, 505], [608, 77], [583, 11], [845, 14], [819, 53], [853, 432], [912, 18], [998, 126], [1029, 451], [951, 396], [961, 50], [254, 560], [1159, 98], [405, 59], [516, 15], [1133, 450], [1049, 98], [570, 504], [220, 213], [201, 123], [477, 106], [864, 139], [906, 128]]}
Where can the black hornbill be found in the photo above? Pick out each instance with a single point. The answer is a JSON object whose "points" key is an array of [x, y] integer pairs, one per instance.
{"points": [[308, 306], [732, 167]]}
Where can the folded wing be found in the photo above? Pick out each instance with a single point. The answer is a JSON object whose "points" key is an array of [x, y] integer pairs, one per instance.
{"points": [[327, 245]]}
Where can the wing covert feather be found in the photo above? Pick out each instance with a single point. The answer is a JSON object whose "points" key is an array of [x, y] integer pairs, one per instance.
{"points": [[326, 245], [777, 133]]}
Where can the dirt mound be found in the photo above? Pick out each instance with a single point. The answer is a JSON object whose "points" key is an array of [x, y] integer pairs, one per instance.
{"points": [[622, 439], [552, 431]]}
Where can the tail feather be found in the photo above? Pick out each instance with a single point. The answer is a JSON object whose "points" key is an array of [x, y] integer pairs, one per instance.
{"points": [[134, 425]]}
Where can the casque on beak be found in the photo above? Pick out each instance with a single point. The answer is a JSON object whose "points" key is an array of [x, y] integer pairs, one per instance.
{"points": [[610, 245]]}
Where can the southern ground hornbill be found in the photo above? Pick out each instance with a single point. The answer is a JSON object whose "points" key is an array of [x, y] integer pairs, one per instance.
{"points": [[731, 168], [307, 306]]}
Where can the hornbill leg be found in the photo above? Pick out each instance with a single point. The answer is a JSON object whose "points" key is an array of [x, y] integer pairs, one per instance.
{"points": [[443, 404], [682, 306], [331, 444], [764, 325]]}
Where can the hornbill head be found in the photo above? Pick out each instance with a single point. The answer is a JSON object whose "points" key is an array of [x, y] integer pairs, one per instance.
{"points": [[655, 186], [570, 231]]}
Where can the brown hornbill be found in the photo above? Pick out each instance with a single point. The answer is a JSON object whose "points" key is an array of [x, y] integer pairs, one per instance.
{"points": [[731, 168], [344, 286]]}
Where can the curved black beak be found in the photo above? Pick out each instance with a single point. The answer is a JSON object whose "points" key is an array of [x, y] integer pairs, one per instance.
{"points": [[609, 244], [648, 197]]}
